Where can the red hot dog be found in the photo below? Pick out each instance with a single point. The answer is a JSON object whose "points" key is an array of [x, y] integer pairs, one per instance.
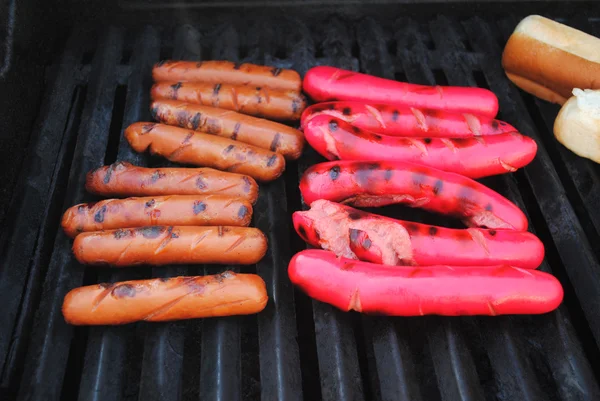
{"points": [[417, 291]]}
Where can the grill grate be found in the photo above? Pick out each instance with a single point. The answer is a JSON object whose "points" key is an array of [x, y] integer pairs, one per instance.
{"points": [[297, 348]]}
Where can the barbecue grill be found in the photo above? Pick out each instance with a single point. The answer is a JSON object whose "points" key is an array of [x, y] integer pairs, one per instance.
{"points": [[74, 90]]}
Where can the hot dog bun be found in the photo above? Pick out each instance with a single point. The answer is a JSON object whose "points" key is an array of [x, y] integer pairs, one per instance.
{"points": [[549, 59], [577, 126], [158, 300]]}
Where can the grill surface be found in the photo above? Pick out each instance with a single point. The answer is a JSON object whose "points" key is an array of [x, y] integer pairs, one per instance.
{"points": [[297, 348]]}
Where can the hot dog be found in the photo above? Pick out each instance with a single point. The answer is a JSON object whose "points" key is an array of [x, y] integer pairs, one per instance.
{"points": [[409, 121], [251, 130], [324, 83], [473, 157], [159, 300], [368, 184], [269, 103], [191, 147], [356, 234], [162, 245], [181, 210], [125, 179], [227, 72], [417, 291]]}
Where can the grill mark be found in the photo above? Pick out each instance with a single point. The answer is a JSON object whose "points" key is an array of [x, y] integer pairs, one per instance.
{"points": [[228, 149], [275, 142], [236, 130], [247, 184], [108, 174], [123, 291], [151, 232], [122, 233], [237, 243], [175, 88], [216, 90], [275, 71], [196, 121], [99, 216], [187, 138], [200, 183], [199, 207], [242, 212], [271, 160], [199, 240]]}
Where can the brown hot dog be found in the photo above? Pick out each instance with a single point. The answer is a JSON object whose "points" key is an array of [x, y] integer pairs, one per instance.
{"points": [[254, 131], [253, 100], [160, 299], [162, 245], [125, 179], [180, 210], [227, 72], [191, 147]]}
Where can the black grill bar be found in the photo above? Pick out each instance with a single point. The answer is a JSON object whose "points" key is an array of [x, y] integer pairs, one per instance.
{"points": [[297, 348]]}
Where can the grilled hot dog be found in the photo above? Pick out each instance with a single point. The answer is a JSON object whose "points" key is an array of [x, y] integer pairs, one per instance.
{"points": [[125, 179], [255, 131], [162, 245], [253, 100], [191, 147], [227, 72], [181, 210], [159, 300]]}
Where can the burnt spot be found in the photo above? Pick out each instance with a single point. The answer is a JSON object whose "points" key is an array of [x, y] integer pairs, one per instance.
{"points": [[216, 90], [355, 129], [220, 231], [427, 140], [108, 174], [495, 124], [247, 184], [171, 233], [331, 106], [411, 227], [236, 129], [157, 175], [200, 183], [182, 118], [196, 121], [419, 179], [461, 142], [186, 140], [237, 65], [333, 125], [121, 233], [302, 232], [154, 112], [82, 208], [106, 286], [271, 160], [123, 291], [199, 64], [275, 71], [433, 231], [213, 126], [388, 174], [160, 63], [346, 111], [151, 232], [354, 235], [356, 215], [242, 212], [99, 216], [175, 88], [163, 279], [488, 207], [395, 115], [334, 173], [199, 207], [376, 137], [296, 105], [275, 142], [150, 203], [228, 149], [437, 187], [366, 243], [146, 128], [492, 232], [258, 98], [364, 173]]}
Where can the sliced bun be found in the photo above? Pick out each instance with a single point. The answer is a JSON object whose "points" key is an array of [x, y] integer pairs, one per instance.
{"points": [[549, 59], [577, 125]]}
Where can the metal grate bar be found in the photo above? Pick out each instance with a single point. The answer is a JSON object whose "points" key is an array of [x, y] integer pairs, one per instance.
{"points": [[47, 357]]}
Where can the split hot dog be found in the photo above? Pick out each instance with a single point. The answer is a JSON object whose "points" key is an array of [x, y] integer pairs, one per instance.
{"points": [[324, 84], [417, 291], [162, 245], [227, 72], [265, 134], [409, 121], [125, 179], [473, 157], [380, 183], [253, 100], [181, 210], [191, 147], [159, 300], [360, 235]]}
